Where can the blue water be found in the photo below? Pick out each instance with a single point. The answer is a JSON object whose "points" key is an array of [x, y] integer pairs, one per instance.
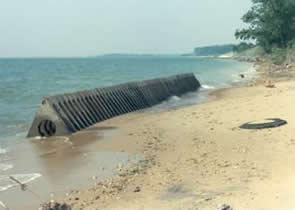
{"points": [[23, 82]]}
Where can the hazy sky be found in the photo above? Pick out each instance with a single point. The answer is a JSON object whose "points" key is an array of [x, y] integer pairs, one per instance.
{"points": [[91, 27]]}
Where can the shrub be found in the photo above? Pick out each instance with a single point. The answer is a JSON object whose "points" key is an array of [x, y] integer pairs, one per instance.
{"points": [[278, 55]]}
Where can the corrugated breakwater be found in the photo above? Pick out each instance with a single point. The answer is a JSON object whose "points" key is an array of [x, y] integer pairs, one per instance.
{"points": [[70, 112]]}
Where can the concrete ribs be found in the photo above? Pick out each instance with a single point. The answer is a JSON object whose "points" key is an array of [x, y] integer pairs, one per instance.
{"points": [[68, 113]]}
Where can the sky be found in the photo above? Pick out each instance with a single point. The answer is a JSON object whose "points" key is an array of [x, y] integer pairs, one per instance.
{"points": [[66, 28]]}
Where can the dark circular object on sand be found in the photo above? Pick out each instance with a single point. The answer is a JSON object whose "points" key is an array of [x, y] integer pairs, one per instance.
{"points": [[270, 123]]}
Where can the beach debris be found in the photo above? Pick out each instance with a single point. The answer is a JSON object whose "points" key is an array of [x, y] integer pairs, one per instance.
{"points": [[288, 66], [53, 205], [2, 205], [137, 189], [268, 123], [225, 207], [23, 187], [269, 84]]}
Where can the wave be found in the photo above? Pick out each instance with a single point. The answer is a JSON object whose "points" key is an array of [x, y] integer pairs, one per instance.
{"points": [[174, 98], [6, 182], [208, 87], [5, 167], [2, 150], [39, 137]]}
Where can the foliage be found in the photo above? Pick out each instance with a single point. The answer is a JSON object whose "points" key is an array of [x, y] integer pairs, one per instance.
{"points": [[278, 55], [213, 50], [291, 44], [271, 23], [291, 54], [251, 52], [242, 47]]}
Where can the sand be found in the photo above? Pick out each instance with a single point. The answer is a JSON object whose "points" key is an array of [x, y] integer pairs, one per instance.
{"points": [[197, 157]]}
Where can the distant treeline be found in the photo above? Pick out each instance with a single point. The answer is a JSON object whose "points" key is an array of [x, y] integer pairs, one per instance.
{"points": [[213, 50]]}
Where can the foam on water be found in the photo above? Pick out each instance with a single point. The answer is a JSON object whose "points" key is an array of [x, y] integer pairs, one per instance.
{"points": [[175, 102], [208, 87], [39, 137], [6, 182], [174, 98], [5, 167], [2, 151]]}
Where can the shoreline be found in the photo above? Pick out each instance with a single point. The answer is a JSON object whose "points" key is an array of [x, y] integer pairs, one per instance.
{"points": [[152, 141], [164, 179]]}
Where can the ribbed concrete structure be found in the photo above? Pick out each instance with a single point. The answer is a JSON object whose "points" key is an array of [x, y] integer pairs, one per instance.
{"points": [[68, 113]]}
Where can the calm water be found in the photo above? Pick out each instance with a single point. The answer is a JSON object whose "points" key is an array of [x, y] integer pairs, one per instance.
{"points": [[23, 83]]}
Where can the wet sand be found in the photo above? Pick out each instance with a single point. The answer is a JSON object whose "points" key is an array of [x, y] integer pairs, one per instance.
{"points": [[197, 157], [66, 164]]}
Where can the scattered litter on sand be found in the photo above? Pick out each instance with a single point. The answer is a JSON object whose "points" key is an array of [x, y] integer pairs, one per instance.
{"points": [[53, 205], [269, 84], [225, 207]]}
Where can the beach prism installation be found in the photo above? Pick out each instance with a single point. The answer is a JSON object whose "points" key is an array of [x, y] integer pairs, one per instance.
{"points": [[71, 112]]}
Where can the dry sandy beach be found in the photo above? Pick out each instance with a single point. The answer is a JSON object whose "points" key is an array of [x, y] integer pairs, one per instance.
{"points": [[197, 157]]}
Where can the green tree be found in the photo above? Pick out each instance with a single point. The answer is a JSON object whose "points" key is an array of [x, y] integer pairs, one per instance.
{"points": [[242, 47], [271, 23]]}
